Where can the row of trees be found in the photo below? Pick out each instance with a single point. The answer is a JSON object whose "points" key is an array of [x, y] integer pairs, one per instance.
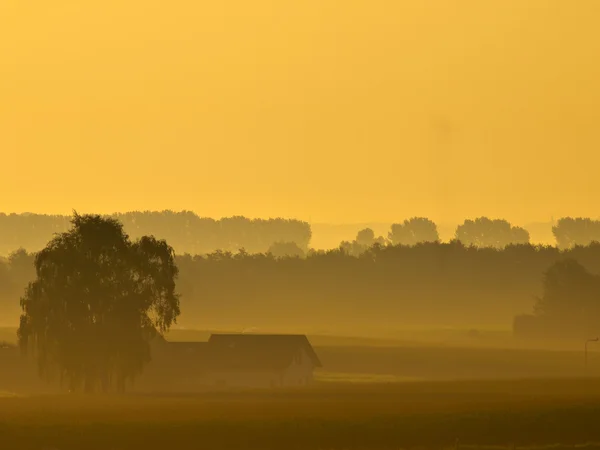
{"points": [[429, 283], [96, 298], [189, 233], [481, 232], [185, 231]]}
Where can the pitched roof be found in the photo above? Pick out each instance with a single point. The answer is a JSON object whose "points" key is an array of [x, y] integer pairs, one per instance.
{"points": [[257, 351], [246, 352]]}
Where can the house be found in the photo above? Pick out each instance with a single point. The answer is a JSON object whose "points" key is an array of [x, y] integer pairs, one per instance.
{"points": [[246, 360]]}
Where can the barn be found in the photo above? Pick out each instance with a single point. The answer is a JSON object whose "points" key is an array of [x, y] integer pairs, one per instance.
{"points": [[248, 360]]}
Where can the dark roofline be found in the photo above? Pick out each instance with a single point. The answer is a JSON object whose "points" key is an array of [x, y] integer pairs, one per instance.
{"points": [[301, 338]]}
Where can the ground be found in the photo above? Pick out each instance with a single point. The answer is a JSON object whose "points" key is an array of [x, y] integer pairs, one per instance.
{"points": [[370, 395], [327, 416]]}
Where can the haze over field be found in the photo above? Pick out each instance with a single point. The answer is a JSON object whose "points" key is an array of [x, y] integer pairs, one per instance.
{"points": [[330, 111], [299, 225]]}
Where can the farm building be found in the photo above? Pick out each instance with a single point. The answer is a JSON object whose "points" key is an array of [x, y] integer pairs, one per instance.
{"points": [[244, 360]]}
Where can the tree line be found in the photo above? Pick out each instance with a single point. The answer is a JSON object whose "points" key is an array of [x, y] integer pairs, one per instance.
{"points": [[186, 232], [428, 283], [481, 232], [92, 300]]}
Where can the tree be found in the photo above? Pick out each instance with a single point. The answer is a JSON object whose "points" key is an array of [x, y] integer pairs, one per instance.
{"points": [[570, 232], [96, 302], [519, 236], [413, 231], [365, 238], [286, 250], [568, 288], [484, 232], [568, 307], [21, 267]]}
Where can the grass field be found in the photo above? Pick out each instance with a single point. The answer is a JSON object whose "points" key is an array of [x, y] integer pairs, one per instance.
{"points": [[370, 395], [327, 416]]}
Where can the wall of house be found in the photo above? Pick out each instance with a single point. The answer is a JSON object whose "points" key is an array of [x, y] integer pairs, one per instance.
{"points": [[300, 372]]}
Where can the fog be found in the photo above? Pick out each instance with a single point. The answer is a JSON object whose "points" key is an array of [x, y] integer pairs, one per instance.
{"points": [[299, 225]]}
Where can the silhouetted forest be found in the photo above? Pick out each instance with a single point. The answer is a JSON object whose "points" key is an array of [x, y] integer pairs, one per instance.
{"points": [[185, 231], [387, 286]]}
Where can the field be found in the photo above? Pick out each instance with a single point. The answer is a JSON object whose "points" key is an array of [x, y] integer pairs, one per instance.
{"points": [[358, 359], [371, 394], [328, 416]]}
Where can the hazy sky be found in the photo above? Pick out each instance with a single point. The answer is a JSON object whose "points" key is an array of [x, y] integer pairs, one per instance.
{"points": [[335, 111]]}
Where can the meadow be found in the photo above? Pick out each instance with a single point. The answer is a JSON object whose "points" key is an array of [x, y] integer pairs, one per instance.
{"points": [[517, 413], [358, 359], [371, 394]]}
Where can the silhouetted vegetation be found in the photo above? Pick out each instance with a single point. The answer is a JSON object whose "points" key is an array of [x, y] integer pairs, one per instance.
{"points": [[285, 249], [569, 232], [96, 302], [388, 286], [413, 231], [568, 307], [365, 239], [185, 231], [485, 232], [367, 280], [189, 233], [443, 283]]}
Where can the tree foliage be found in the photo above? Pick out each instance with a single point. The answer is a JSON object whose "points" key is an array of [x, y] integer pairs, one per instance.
{"points": [[570, 232], [430, 283], [413, 231], [485, 232], [569, 305], [365, 239], [96, 302], [185, 231], [285, 250]]}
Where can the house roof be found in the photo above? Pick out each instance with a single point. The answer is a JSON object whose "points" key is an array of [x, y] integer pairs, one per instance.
{"points": [[251, 352]]}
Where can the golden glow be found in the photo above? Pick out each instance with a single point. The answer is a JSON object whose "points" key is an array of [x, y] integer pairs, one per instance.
{"points": [[330, 110]]}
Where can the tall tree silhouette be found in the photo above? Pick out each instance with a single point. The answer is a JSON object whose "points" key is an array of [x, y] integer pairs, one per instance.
{"points": [[97, 300], [413, 231]]}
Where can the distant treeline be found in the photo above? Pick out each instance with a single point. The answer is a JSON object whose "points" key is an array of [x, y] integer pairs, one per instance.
{"points": [[185, 231], [386, 286], [481, 232]]}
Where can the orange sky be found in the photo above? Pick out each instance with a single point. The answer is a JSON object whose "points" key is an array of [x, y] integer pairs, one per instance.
{"points": [[336, 111]]}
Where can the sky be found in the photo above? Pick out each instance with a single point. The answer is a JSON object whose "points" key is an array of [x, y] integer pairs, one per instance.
{"points": [[330, 111]]}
